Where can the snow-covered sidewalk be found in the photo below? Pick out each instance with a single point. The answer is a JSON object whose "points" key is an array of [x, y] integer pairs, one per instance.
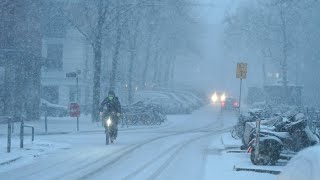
{"points": [[19, 157], [66, 125], [42, 146], [224, 155], [56, 125]]}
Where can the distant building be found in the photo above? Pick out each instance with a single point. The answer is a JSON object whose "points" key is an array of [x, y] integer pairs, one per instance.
{"points": [[64, 50], [278, 94]]}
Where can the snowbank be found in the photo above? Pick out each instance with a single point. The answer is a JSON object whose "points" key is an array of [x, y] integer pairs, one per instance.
{"points": [[305, 165]]}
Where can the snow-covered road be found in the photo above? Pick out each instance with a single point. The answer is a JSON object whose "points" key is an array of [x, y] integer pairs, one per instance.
{"points": [[176, 150]]}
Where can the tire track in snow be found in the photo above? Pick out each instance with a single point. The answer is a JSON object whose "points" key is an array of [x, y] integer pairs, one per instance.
{"points": [[130, 149], [177, 151], [77, 165], [111, 158], [178, 148]]}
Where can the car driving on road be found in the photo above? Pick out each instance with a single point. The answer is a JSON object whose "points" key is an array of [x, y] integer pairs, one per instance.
{"points": [[230, 104]]}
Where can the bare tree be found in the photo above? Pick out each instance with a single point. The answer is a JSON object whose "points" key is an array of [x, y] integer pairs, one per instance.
{"points": [[90, 19], [115, 58], [20, 51], [133, 33]]}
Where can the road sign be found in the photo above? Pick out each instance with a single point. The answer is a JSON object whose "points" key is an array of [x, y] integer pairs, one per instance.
{"points": [[71, 74], [242, 70], [74, 110]]}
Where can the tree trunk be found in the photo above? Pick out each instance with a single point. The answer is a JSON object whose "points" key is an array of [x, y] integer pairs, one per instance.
{"points": [[167, 72], [146, 64], [33, 92], [130, 77], [133, 49], [97, 63], [96, 83], [264, 82], [160, 71], [284, 65], [115, 58], [156, 68], [173, 66]]}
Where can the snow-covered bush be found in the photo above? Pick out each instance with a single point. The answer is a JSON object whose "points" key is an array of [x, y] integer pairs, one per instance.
{"points": [[304, 166]]}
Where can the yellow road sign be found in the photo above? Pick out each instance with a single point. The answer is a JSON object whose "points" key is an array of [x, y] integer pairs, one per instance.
{"points": [[242, 70]]}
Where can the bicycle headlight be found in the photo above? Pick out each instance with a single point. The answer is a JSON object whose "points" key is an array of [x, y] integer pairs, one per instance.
{"points": [[109, 122]]}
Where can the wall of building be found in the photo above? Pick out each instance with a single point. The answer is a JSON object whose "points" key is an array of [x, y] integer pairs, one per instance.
{"points": [[74, 58]]}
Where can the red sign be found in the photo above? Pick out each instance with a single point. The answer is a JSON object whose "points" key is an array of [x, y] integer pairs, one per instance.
{"points": [[74, 110]]}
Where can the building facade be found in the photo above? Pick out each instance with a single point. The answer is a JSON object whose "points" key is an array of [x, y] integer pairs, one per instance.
{"points": [[65, 50]]}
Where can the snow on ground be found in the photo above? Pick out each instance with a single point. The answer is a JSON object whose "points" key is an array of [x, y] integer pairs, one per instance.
{"points": [[31, 151], [67, 125], [305, 165], [143, 145], [179, 149], [223, 155], [56, 125]]}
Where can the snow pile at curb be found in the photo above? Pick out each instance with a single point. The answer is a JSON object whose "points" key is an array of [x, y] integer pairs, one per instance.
{"points": [[305, 165]]}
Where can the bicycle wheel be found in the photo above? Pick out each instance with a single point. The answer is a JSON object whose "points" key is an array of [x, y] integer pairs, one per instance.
{"points": [[107, 137], [234, 133]]}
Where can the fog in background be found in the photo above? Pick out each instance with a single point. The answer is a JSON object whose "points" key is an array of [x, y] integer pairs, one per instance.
{"points": [[130, 46], [278, 39], [210, 70]]}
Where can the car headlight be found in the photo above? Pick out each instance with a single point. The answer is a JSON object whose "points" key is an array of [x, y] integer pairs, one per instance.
{"points": [[223, 97], [214, 98]]}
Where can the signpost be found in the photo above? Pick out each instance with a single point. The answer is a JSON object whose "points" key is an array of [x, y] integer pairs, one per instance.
{"points": [[75, 112], [75, 107], [257, 143], [241, 73]]}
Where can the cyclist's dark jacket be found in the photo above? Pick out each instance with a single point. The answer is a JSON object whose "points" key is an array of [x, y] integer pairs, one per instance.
{"points": [[111, 105]]}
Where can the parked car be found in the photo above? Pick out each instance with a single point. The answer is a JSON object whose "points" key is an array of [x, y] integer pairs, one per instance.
{"points": [[140, 113], [168, 102], [230, 104], [54, 110]]}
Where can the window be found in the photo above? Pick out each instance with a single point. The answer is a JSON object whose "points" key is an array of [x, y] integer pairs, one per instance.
{"points": [[54, 57], [51, 94]]}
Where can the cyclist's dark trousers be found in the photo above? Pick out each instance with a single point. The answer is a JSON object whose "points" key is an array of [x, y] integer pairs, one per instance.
{"points": [[114, 127]]}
